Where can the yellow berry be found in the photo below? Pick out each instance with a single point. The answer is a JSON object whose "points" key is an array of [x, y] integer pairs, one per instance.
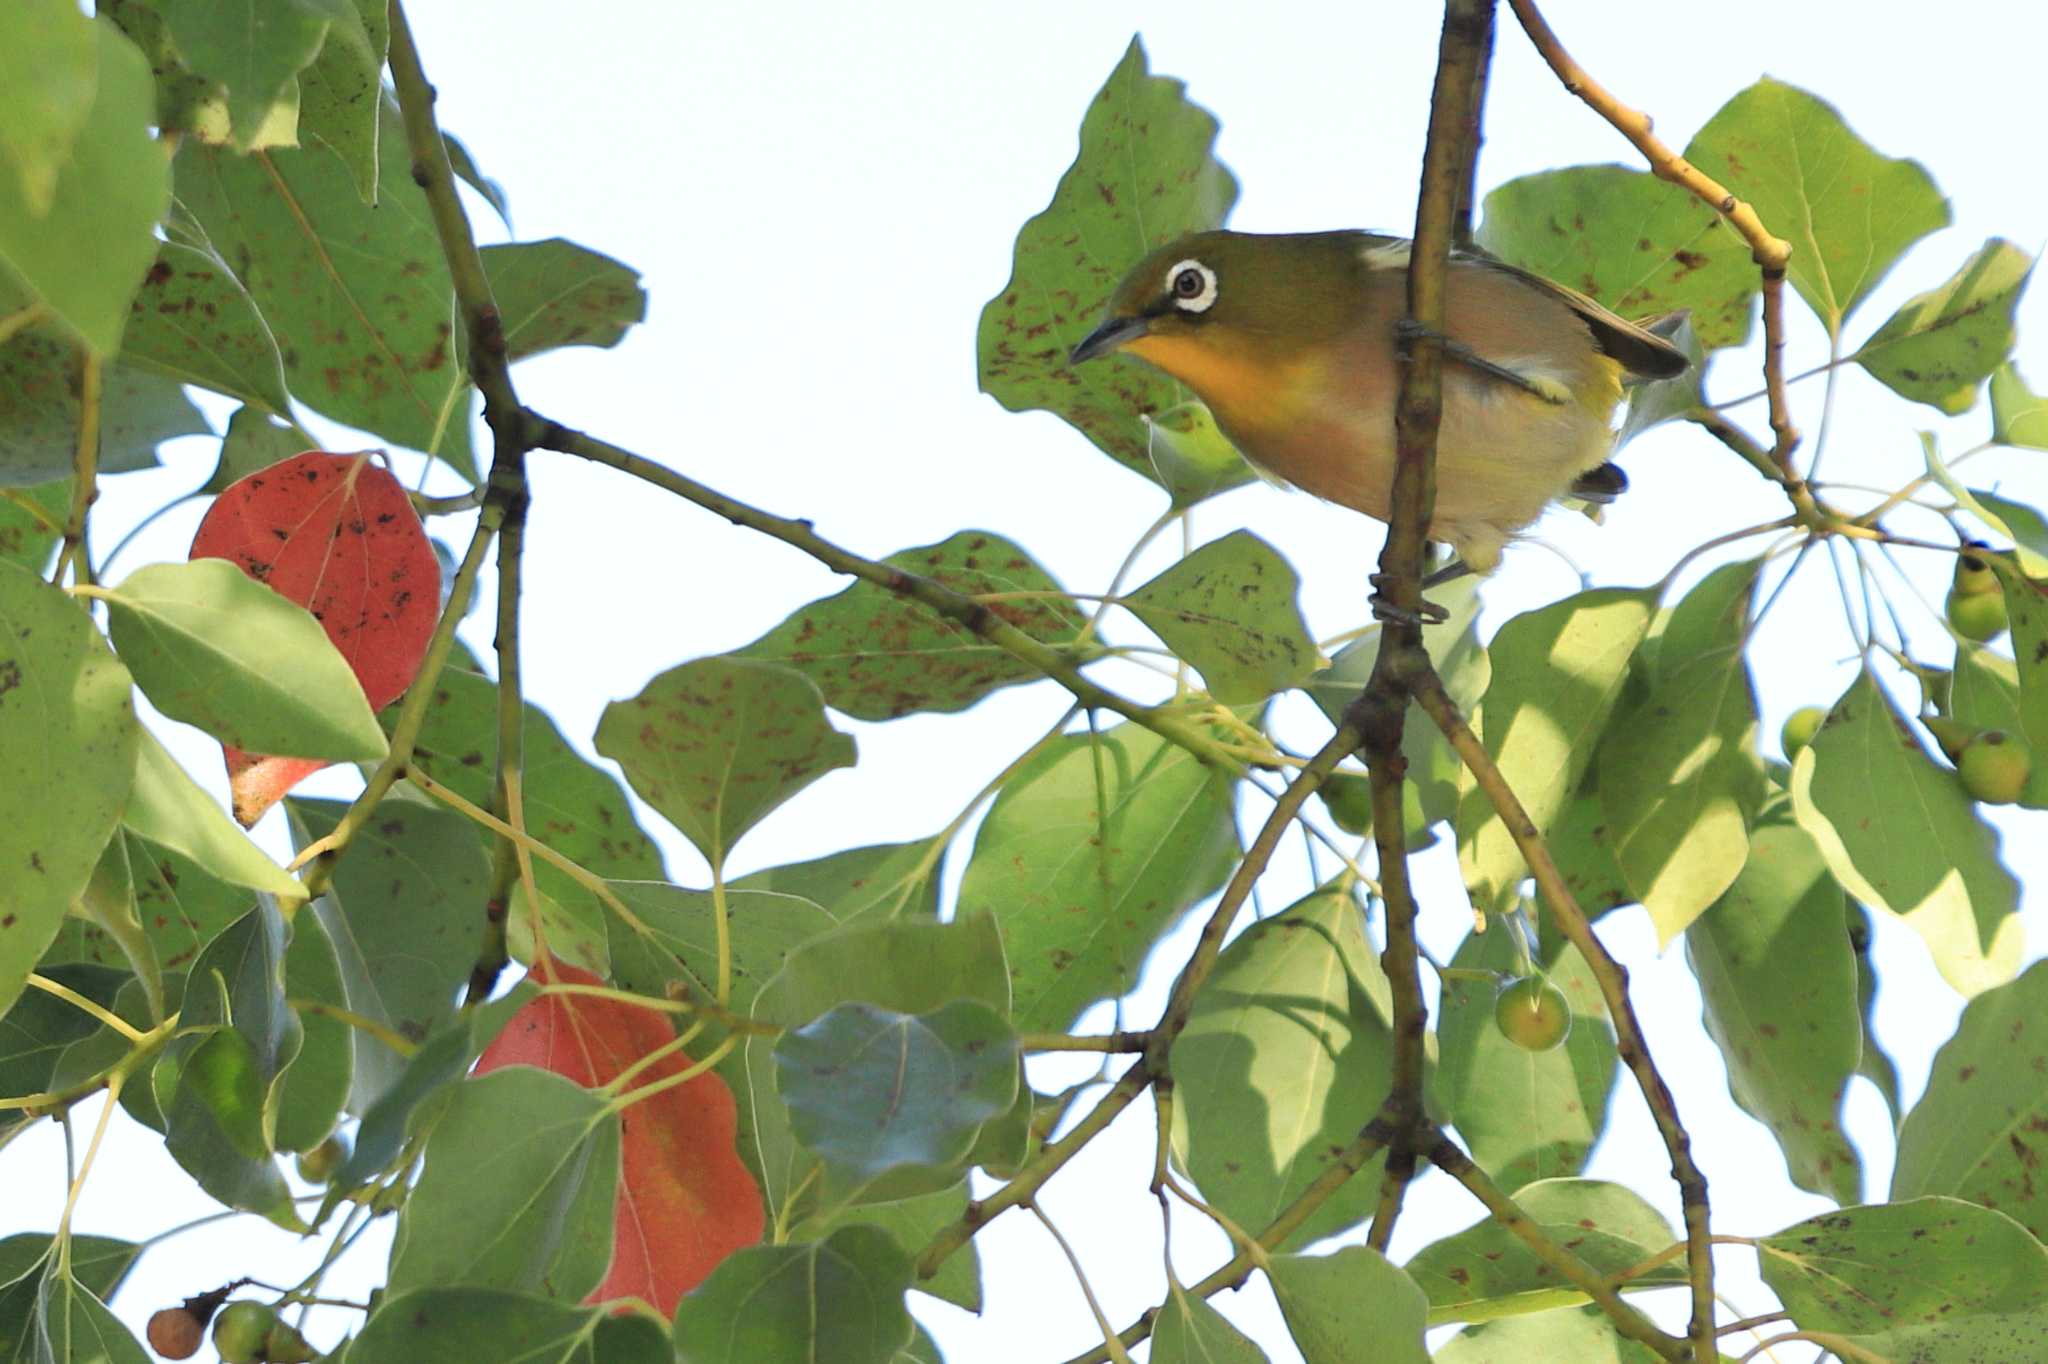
{"points": [[1995, 767], [1800, 727], [1532, 1013]]}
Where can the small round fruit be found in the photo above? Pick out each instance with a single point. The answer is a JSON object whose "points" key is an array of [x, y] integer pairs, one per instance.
{"points": [[1800, 727], [1952, 735], [175, 1333], [1532, 1013], [285, 1345], [242, 1330], [1978, 615], [1973, 575], [318, 1165], [1995, 767]]}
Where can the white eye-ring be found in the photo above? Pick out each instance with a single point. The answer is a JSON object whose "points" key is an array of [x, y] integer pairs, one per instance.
{"points": [[1192, 286]]}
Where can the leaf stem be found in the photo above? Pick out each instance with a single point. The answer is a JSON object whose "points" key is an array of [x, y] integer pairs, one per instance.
{"points": [[85, 472], [79, 1001]]}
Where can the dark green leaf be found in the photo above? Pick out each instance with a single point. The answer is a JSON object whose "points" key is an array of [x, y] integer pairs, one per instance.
{"points": [[1557, 673], [871, 1090], [405, 913], [26, 539], [1093, 849], [1284, 1059], [840, 1298], [38, 1028], [1978, 1130], [913, 1222], [876, 654], [80, 240], [315, 1087], [1348, 1306], [212, 646], [1849, 211], [1940, 345], [1524, 1115], [716, 745], [466, 1325], [763, 928], [357, 296], [1630, 242], [192, 321], [254, 442], [1485, 1271], [1230, 609], [67, 758], [521, 1204], [1922, 853], [1778, 981], [555, 293], [177, 907], [74, 1327], [39, 392], [253, 47], [1144, 176]]}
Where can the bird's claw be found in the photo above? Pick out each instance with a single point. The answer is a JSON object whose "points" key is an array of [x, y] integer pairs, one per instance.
{"points": [[1387, 613]]}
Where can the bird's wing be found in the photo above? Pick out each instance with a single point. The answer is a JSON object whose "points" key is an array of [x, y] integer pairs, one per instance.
{"points": [[1642, 352]]}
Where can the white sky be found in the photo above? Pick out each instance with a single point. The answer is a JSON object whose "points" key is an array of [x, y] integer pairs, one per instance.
{"points": [[820, 198]]}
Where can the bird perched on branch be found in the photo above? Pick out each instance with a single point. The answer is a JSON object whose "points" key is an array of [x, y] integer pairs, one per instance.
{"points": [[1291, 342]]}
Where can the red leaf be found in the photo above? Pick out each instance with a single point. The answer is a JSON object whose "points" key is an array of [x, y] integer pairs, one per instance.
{"points": [[337, 535], [685, 1199]]}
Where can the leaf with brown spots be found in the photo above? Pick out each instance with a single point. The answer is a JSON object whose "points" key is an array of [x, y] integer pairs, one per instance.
{"points": [[337, 535], [39, 392], [194, 322], [1144, 176], [1231, 610], [555, 293], [877, 655], [1981, 1130], [1940, 346], [717, 744]]}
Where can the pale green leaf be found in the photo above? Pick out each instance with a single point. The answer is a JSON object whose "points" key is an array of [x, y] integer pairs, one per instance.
{"points": [[1583, 1335], [2019, 416], [1940, 345], [172, 811], [1350, 1305], [193, 322], [49, 70], [40, 388], [555, 293], [1230, 610], [1190, 1331]]}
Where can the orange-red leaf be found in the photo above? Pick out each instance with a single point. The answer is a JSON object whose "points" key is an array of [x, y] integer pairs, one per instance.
{"points": [[685, 1199], [337, 535]]}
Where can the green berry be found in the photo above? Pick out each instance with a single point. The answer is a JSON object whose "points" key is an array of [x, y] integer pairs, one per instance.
{"points": [[285, 1345], [1800, 727], [1532, 1013], [1977, 615], [242, 1330], [1995, 767]]}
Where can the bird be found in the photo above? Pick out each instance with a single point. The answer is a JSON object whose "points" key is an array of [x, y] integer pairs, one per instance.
{"points": [[1291, 341]]}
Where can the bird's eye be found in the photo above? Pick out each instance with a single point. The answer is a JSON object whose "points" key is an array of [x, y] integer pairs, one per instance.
{"points": [[1192, 286]]}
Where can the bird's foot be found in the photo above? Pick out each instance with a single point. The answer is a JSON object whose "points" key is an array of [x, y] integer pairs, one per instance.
{"points": [[1387, 613], [1457, 352]]}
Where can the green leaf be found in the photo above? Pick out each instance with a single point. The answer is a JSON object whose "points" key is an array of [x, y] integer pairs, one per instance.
{"points": [[175, 905], [192, 321], [2018, 522], [1922, 852], [840, 1298], [67, 758], [25, 539], [1679, 779], [1629, 241], [1284, 1058], [1921, 1262], [82, 243], [1524, 1115], [1582, 1335], [1486, 1272], [464, 1325], [51, 72], [98, 1263], [357, 296], [555, 293], [1557, 673], [405, 913], [1977, 1131], [1582, 845], [1230, 609], [253, 47], [524, 1205], [1777, 981], [1190, 456], [213, 647], [871, 1090], [1849, 211], [341, 92], [1940, 345], [716, 745], [253, 442], [912, 1222], [909, 966], [2026, 604], [2019, 416], [762, 929], [1190, 1331], [34, 1033], [74, 1327], [1144, 176], [173, 812], [39, 392], [1092, 850], [466, 170], [886, 879], [1874, 1065], [1350, 1305], [876, 655], [314, 1090]]}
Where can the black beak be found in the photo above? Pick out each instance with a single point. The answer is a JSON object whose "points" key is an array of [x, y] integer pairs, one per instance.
{"points": [[1107, 337]]}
